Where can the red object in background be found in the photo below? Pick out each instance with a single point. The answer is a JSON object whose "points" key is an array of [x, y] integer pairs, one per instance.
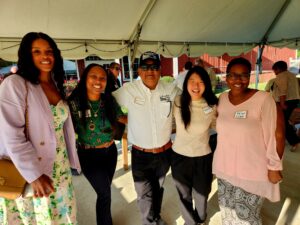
{"points": [[219, 63]]}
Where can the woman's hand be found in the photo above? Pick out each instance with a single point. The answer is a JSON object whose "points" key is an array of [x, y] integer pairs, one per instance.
{"points": [[42, 186], [274, 176]]}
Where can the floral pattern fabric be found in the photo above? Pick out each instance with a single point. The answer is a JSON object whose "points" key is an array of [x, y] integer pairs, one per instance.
{"points": [[60, 207]]}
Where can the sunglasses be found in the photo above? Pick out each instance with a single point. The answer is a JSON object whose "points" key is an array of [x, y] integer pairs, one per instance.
{"points": [[235, 76], [151, 67]]}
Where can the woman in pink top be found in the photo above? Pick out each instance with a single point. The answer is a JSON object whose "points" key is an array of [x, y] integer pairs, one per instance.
{"points": [[246, 162]]}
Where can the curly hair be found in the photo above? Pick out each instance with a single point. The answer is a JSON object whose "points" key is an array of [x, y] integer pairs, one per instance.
{"points": [[28, 70], [185, 98]]}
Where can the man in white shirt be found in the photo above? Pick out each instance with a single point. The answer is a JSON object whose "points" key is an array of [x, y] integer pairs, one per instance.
{"points": [[286, 93], [149, 102]]}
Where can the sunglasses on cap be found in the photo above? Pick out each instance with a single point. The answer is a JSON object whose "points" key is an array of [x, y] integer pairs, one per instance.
{"points": [[152, 67]]}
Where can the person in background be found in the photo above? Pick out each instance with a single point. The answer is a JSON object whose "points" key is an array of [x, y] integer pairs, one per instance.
{"points": [[149, 103], [270, 85], [94, 114], [181, 76], [247, 161], [286, 94], [210, 71], [113, 82], [43, 159], [195, 113]]}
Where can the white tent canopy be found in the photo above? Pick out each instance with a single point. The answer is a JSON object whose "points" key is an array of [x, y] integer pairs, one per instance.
{"points": [[114, 28]]}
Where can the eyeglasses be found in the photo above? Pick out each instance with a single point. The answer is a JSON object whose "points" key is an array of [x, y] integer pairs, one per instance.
{"points": [[235, 76], [152, 67]]}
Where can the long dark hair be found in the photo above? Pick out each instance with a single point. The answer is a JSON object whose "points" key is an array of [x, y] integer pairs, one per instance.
{"points": [[80, 94], [28, 70], [185, 98]]}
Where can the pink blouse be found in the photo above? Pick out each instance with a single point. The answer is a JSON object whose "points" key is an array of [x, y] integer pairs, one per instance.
{"points": [[246, 144]]}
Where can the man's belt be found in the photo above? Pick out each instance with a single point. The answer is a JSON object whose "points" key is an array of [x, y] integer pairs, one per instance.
{"points": [[154, 150]]}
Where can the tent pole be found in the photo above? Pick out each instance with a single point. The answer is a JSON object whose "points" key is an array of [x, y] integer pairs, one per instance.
{"points": [[142, 19], [129, 64], [275, 21], [132, 52], [265, 38], [258, 64], [136, 43]]}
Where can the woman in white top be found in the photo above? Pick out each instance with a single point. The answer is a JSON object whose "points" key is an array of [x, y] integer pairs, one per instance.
{"points": [[191, 164]]}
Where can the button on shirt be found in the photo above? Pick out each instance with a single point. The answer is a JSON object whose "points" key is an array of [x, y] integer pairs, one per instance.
{"points": [[149, 112]]}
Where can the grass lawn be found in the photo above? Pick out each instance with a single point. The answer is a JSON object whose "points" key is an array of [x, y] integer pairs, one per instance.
{"points": [[261, 86]]}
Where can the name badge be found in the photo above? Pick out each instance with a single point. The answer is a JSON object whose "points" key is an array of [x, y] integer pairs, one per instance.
{"points": [[139, 101], [240, 115], [207, 110]]}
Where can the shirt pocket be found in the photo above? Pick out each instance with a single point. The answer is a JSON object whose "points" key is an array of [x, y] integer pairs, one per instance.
{"points": [[165, 109]]}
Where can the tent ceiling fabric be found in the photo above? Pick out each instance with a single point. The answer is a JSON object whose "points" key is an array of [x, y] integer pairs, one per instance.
{"points": [[170, 27]]}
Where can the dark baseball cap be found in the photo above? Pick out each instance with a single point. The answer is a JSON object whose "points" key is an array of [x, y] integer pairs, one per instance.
{"points": [[149, 56]]}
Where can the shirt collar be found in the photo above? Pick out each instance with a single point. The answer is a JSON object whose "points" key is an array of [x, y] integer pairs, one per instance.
{"points": [[147, 90]]}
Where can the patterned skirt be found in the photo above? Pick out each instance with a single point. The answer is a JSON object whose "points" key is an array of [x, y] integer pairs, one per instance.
{"points": [[238, 207]]}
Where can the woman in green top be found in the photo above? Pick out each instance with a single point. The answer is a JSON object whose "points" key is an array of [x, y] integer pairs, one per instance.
{"points": [[94, 115]]}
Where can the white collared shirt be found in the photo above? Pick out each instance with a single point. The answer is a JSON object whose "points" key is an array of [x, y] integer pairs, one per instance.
{"points": [[149, 112]]}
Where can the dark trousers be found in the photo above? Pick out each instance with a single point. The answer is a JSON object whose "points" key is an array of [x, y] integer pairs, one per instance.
{"points": [[193, 178], [98, 166], [290, 132], [149, 171]]}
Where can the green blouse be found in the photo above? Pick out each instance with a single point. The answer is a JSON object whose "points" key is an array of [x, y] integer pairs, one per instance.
{"points": [[97, 129]]}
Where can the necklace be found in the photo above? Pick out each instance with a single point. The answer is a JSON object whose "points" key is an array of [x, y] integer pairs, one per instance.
{"points": [[94, 112]]}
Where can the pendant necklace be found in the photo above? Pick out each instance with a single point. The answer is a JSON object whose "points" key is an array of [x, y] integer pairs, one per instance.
{"points": [[92, 126], [94, 113]]}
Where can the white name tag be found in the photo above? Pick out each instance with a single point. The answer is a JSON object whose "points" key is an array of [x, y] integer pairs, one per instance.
{"points": [[207, 110], [240, 115], [139, 101]]}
